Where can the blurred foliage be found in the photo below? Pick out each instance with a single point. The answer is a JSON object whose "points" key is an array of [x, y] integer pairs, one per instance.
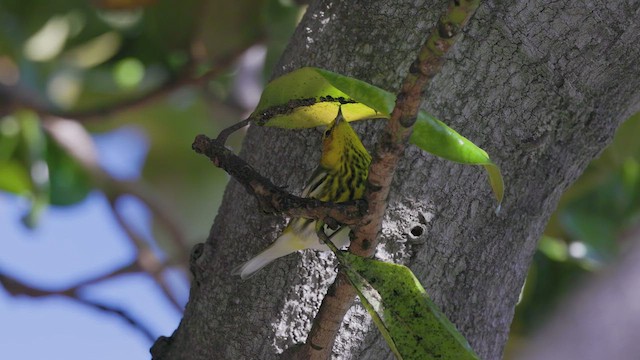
{"points": [[587, 230], [163, 67]]}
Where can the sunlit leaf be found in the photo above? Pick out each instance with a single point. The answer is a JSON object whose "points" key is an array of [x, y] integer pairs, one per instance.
{"points": [[411, 323], [432, 135], [310, 97]]}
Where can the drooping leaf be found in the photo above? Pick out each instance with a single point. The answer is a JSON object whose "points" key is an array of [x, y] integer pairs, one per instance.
{"points": [[433, 136], [411, 323]]}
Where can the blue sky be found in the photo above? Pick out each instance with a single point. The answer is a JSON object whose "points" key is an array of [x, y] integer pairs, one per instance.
{"points": [[72, 244]]}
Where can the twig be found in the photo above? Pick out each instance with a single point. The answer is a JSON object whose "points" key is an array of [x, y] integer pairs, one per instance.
{"points": [[146, 259], [390, 148], [77, 146], [224, 134], [132, 267], [16, 287], [120, 188], [271, 198], [121, 313]]}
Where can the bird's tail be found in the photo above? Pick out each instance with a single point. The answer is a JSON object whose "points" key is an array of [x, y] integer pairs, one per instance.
{"points": [[284, 245]]}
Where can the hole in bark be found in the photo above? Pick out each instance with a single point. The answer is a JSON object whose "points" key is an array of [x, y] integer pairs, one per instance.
{"points": [[417, 230]]}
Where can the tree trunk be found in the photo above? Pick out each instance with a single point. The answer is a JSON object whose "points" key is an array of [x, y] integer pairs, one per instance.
{"points": [[540, 86]]}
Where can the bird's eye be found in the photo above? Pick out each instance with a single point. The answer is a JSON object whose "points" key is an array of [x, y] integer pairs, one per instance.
{"points": [[327, 132]]}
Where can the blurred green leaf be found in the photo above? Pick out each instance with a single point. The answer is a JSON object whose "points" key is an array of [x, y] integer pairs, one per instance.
{"points": [[15, 178], [547, 282], [599, 215], [280, 20], [411, 323], [625, 145], [587, 228], [33, 165], [31, 153], [168, 26], [13, 164], [221, 18], [553, 248], [69, 182], [128, 72]]}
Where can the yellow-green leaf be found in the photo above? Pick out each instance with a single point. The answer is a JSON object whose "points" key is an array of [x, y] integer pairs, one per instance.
{"points": [[15, 178], [310, 97], [433, 136], [411, 323]]}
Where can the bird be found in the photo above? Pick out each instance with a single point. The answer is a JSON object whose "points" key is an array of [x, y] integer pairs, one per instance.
{"points": [[340, 176]]}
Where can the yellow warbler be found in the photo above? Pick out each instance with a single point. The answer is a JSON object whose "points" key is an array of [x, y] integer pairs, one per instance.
{"points": [[341, 176]]}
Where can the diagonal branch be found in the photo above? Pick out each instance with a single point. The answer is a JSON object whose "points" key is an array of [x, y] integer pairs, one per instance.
{"points": [[389, 150], [273, 199], [145, 258], [73, 137], [16, 287]]}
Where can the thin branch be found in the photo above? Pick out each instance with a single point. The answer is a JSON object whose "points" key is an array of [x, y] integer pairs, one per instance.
{"points": [[271, 198], [224, 134], [16, 288], [146, 259], [130, 268], [389, 150], [120, 188], [122, 314], [77, 146]]}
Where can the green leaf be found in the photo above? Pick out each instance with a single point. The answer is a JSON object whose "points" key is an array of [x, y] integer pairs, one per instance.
{"points": [[15, 173], [15, 178], [411, 323], [310, 97], [362, 92], [33, 143], [68, 181], [555, 249], [433, 136]]}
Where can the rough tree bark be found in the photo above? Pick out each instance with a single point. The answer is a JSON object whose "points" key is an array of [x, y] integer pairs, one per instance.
{"points": [[541, 86]]}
